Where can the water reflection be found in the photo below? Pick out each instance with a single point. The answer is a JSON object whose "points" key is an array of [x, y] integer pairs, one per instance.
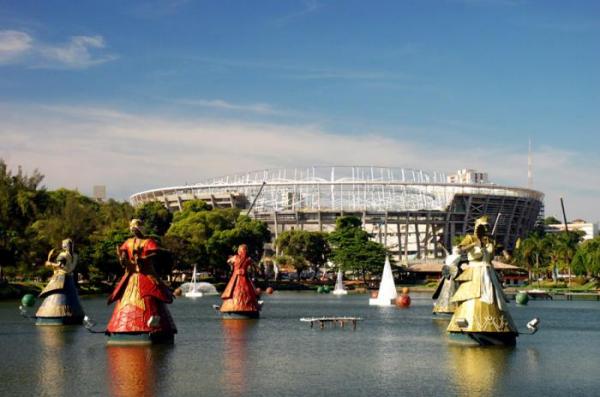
{"points": [[235, 355], [132, 370], [478, 371], [51, 376]]}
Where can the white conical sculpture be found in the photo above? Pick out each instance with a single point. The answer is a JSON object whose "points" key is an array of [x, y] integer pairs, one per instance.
{"points": [[387, 289], [339, 285]]}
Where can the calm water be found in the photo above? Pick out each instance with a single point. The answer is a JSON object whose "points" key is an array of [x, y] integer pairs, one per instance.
{"points": [[392, 352]]}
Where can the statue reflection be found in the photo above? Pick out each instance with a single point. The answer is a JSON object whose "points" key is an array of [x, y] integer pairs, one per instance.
{"points": [[235, 333], [478, 371], [52, 370], [132, 370]]}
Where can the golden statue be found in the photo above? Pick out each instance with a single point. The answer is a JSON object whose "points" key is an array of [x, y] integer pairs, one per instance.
{"points": [[482, 313]]}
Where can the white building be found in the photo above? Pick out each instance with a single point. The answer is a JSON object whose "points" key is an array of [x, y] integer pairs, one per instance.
{"points": [[468, 177], [590, 230]]}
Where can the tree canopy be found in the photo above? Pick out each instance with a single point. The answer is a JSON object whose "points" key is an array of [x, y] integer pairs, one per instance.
{"points": [[352, 250], [303, 248]]}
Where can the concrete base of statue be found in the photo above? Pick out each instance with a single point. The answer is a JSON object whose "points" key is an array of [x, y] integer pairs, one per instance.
{"points": [[484, 338], [139, 338], [71, 320]]}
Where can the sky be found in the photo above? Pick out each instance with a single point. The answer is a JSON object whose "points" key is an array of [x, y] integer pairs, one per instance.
{"points": [[139, 95]]}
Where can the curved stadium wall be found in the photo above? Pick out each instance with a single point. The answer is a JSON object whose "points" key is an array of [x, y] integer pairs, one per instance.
{"points": [[412, 211]]}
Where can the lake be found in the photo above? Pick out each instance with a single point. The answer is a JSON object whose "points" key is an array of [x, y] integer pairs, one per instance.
{"points": [[393, 352]]}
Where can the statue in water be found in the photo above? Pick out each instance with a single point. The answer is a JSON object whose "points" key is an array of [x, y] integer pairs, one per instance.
{"points": [[239, 297], [141, 314], [61, 304], [482, 312], [447, 285]]}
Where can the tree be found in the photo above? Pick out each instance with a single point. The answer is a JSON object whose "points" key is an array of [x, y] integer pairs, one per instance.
{"points": [[351, 248], [550, 220], [531, 253], [21, 202], [587, 258], [224, 243], [304, 248], [562, 248], [207, 237], [155, 217]]}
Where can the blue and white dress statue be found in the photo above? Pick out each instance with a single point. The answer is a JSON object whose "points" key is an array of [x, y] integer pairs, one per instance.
{"points": [[61, 304]]}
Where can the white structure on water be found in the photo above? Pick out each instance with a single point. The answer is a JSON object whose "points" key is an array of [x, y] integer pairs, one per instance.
{"points": [[387, 288]]}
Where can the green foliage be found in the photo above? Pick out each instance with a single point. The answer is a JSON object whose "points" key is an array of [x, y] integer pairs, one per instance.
{"points": [[298, 263], [21, 202], [540, 253], [550, 220], [155, 217], [304, 248], [207, 237], [33, 221], [352, 250], [532, 254], [586, 260]]}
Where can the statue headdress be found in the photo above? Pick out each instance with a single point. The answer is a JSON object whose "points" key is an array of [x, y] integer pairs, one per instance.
{"points": [[136, 224], [482, 221]]}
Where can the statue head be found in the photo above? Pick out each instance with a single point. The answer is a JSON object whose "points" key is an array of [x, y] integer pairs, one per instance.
{"points": [[243, 250], [482, 226], [67, 245], [135, 226]]}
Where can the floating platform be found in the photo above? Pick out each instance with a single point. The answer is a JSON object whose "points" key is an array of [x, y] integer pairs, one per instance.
{"points": [[341, 321]]}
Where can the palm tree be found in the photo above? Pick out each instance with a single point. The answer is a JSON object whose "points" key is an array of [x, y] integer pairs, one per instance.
{"points": [[563, 247], [532, 252]]}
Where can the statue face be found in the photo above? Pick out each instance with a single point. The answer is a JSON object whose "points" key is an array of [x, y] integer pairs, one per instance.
{"points": [[242, 250], [482, 230]]}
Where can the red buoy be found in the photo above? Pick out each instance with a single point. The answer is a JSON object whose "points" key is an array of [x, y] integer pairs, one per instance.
{"points": [[374, 294], [269, 290], [258, 291], [403, 301]]}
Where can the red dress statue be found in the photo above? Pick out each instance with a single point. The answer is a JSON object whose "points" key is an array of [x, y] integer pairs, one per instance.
{"points": [[140, 315], [239, 297]]}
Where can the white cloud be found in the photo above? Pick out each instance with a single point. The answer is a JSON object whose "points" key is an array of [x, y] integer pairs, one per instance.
{"points": [[13, 44], [83, 146], [219, 104], [77, 53]]}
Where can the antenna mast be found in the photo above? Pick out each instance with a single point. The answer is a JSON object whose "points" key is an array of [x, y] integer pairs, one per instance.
{"points": [[529, 167]]}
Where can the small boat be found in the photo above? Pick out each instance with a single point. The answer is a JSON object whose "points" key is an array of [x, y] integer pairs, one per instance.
{"points": [[387, 288], [339, 285]]}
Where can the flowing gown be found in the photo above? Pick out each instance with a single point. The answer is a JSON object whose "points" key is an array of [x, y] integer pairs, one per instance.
{"points": [[239, 295], [140, 294]]}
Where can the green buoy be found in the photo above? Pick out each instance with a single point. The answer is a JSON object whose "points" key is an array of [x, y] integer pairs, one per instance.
{"points": [[320, 290], [325, 289], [522, 298], [28, 300]]}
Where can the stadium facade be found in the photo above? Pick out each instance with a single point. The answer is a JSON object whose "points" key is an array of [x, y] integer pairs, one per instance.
{"points": [[413, 212]]}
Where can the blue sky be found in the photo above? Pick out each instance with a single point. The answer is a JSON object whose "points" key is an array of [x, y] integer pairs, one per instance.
{"points": [[175, 91]]}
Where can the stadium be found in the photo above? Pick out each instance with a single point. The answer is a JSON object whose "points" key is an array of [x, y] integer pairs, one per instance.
{"points": [[414, 213]]}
